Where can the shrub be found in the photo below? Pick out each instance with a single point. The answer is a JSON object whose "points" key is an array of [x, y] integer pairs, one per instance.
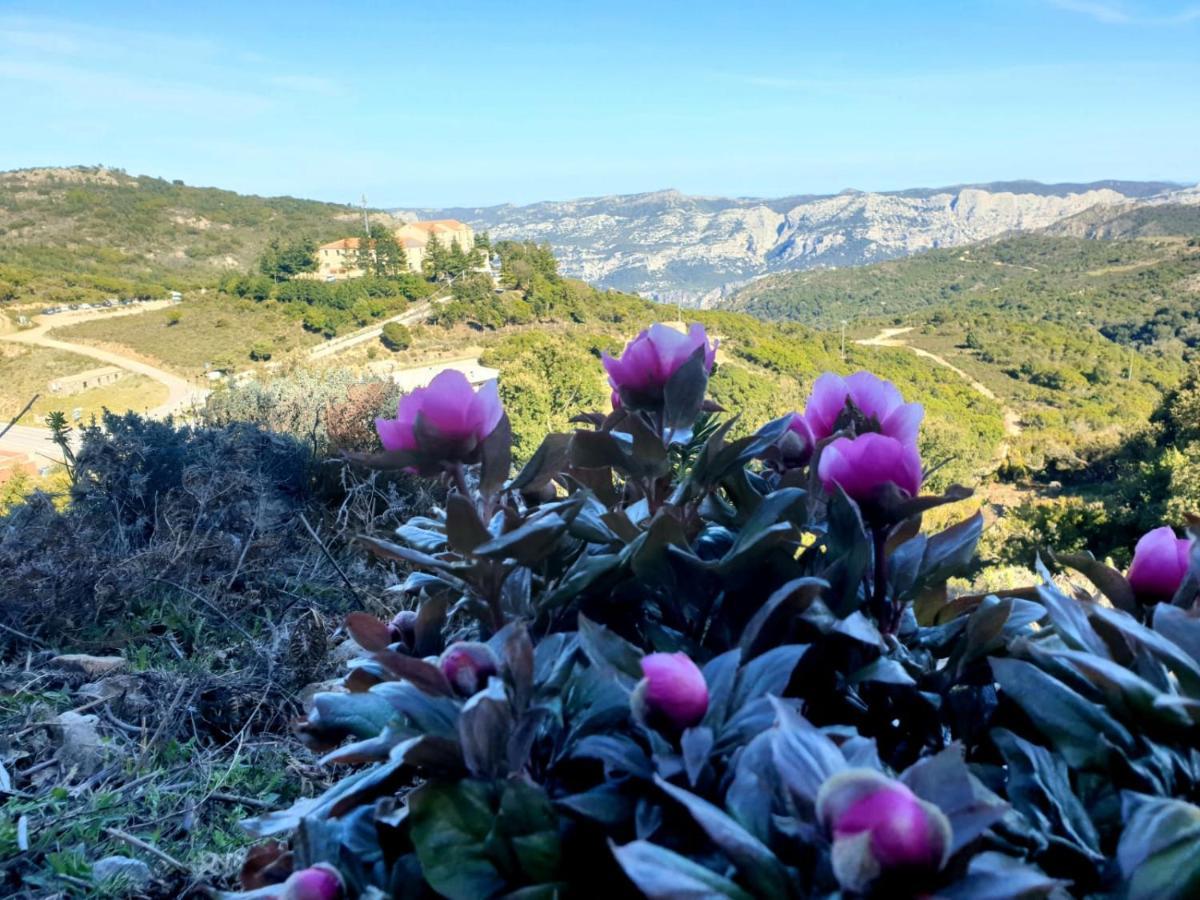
{"points": [[260, 351], [650, 662], [396, 336]]}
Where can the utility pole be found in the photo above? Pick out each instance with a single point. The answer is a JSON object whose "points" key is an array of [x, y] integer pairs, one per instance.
{"points": [[843, 340]]}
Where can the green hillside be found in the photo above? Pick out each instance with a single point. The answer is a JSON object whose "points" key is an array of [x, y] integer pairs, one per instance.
{"points": [[74, 234]]}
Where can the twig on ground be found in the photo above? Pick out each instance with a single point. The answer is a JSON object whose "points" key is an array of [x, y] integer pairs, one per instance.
{"points": [[148, 848], [21, 634], [329, 556], [17, 418]]}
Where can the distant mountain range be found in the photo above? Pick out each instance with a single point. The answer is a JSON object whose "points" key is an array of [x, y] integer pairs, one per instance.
{"points": [[689, 249]]}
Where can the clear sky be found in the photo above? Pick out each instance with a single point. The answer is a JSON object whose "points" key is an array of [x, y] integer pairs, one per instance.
{"points": [[435, 103]]}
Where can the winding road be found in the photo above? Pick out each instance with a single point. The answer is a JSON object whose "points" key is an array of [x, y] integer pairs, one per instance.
{"points": [[889, 337], [34, 441]]}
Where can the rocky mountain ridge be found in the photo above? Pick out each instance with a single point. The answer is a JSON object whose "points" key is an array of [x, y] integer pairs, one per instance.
{"points": [[693, 249]]}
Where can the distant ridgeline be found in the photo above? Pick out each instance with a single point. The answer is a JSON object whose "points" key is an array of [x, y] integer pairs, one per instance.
{"points": [[694, 250]]}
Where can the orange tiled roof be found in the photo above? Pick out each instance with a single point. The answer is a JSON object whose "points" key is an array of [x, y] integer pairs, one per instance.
{"points": [[344, 244]]}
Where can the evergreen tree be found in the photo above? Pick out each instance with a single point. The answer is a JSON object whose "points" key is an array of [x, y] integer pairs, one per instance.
{"points": [[435, 259]]}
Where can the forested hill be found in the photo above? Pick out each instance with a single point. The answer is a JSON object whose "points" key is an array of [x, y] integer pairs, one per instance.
{"points": [[1103, 284], [103, 223]]}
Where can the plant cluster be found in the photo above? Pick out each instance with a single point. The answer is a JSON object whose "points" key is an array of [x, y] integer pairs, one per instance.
{"points": [[661, 660]]}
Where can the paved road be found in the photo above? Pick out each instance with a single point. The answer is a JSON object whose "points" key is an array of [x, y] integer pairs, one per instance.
{"points": [[411, 316], [34, 441], [181, 393]]}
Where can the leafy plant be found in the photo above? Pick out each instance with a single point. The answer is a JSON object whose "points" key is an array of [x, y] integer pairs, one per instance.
{"points": [[674, 663]]}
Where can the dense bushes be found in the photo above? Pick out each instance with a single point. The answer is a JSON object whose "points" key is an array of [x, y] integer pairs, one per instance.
{"points": [[651, 663]]}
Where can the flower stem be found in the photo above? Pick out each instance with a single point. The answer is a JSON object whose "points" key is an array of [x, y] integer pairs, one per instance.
{"points": [[880, 606], [460, 479]]}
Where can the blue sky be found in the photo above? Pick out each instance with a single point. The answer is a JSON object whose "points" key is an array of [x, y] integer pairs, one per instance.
{"points": [[472, 103]]}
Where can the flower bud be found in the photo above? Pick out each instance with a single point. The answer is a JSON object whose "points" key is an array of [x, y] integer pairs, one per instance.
{"points": [[640, 374], [444, 422], [879, 826], [673, 691], [1160, 563], [320, 882], [403, 628], [865, 465], [468, 665]]}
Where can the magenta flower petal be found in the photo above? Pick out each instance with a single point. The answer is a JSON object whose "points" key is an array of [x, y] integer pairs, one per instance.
{"points": [[395, 435], [674, 687], [1160, 563], [650, 359], [460, 416], [904, 422], [320, 882], [872, 396], [863, 464], [825, 404]]}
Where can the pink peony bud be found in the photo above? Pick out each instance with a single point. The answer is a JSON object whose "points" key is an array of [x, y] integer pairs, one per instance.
{"points": [[640, 374], [878, 401], [403, 628], [1160, 563], [446, 421], [864, 464], [321, 882], [468, 665], [673, 688], [878, 826]]}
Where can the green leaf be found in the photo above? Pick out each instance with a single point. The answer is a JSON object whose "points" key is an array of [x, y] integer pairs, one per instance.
{"points": [[1159, 850], [495, 457], [449, 824], [608, 650], [753, 859], [994, 876], [528, 543], [1039, 786], [1081, 730], [663, 875], [529, 824], [883, 671], [1186, 669], [804, 757], [422, 539], [945, 781], [548, 460], [1112, 584], [1179, 626], [949, 552], [464, 529], [684, 392], [484, 728]]}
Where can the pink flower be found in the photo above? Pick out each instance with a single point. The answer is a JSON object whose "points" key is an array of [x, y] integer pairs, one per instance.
{"points": [[468, 665], [641, 372], [862, 465], [876, 399], [447, 420], [878, 825], [321, 882], [673, 688], [1160, 563]]}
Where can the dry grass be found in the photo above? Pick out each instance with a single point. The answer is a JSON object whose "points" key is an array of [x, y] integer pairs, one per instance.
{"points": [[25, 371], [218, 331]]}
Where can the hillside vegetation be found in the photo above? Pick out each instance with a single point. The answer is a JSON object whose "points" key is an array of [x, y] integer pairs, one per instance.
{"points": [[73, 235]]}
